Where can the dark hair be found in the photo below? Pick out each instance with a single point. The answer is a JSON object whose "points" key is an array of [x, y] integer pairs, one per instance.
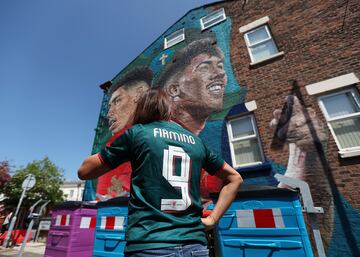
{"points": [[131, 77], [183, 57], [154, 105]]}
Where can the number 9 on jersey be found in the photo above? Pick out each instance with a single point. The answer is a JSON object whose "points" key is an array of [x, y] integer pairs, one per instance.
{"points": [[180, 182]]}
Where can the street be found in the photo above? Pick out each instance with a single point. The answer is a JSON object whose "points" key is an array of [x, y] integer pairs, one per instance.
{"points": [[31, 250]]}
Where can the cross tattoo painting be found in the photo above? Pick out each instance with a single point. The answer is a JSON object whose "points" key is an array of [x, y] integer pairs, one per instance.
{"points": [[163, 58]]}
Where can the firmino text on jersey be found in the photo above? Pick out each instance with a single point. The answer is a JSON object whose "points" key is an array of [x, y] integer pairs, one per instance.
{"points": [[159, 132]]}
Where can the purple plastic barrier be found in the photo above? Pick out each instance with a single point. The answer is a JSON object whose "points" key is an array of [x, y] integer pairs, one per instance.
{"points": [[72, 230]]}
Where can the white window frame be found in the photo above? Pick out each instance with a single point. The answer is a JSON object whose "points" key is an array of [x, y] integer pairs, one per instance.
{"points": [[270, 37], [344, 152], [332, 84], [216, 14], [169, 42], [232, 140]]}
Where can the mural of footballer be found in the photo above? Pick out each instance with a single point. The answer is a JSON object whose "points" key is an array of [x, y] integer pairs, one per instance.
{"points": [[195, 81], [124, 96]]}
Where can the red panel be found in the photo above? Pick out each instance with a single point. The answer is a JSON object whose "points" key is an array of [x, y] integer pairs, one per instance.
{"points": [[110, 223], [264, 218], [16, 235], [63, 220], [93, 222]]}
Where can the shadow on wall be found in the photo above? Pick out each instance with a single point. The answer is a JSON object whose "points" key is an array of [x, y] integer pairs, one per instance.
{"points": [[298, 128]]}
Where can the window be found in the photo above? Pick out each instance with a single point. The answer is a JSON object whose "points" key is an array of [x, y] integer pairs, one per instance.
{"points": [[174, 38], [213, 18], [261, 45], [244, 142], [342, 112], [71, 193]]}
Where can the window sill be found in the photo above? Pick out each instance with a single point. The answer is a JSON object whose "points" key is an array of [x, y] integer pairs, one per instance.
{"points": [[349, 153], [268, 58], [251, 164], [253, 167]]}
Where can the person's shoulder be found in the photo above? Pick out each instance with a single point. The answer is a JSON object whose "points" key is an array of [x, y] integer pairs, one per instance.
{"points": [[144, 128], [154, 124], [135, 127]]}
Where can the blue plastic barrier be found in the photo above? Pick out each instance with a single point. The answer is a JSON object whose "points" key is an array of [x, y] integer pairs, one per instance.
{"points": [[263, 221], [111, 222]]}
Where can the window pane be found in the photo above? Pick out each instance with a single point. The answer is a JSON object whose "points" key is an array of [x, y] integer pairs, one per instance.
{"points": [[247, 151], [341, 104], [242, 127], [347, 132], [214, 14], [175, 34], [264, 50], [213, 18], [257, 35], [174, 38], [213, 22]]}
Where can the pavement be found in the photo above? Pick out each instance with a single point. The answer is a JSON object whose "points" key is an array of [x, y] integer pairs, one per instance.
{"points": [[31, 250]]}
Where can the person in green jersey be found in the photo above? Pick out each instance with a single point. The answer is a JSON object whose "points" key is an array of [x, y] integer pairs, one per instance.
{"points": [[164, 207]]}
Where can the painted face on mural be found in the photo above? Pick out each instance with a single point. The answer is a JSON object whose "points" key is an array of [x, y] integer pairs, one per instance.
{"points": [[122, 105], [199, 88]]}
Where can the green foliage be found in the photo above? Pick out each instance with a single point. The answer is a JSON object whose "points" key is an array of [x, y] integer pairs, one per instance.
{"points": [[49, 178]]}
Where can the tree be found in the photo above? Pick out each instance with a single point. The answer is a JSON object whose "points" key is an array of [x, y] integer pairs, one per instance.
{"points": [[4, 174], [49, 178]]}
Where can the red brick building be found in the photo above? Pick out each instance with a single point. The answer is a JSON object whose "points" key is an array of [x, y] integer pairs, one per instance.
{"points": [[317, 59]]}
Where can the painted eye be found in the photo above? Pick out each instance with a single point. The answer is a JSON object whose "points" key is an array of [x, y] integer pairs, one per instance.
{"points": [[117, 101], [203, 67]]}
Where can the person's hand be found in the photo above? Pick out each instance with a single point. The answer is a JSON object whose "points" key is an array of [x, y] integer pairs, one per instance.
{"points": [[209, 222]]}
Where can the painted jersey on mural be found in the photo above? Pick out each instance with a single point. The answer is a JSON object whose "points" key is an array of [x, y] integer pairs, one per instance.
{"points": [[197, 76]]}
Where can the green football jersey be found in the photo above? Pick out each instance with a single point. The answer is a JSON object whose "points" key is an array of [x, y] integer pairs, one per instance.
{"points": [[164, 205]]}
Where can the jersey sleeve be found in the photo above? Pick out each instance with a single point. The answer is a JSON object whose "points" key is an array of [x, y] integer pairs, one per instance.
{"points": [[212, 162], [118, 152]]}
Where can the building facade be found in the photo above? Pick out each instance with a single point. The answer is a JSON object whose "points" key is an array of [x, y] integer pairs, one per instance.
{"points": [[272, 86], [73, 190]]}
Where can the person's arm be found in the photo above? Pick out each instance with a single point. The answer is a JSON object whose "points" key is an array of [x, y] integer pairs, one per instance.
{"points": [[92, 168], [232, 181]]}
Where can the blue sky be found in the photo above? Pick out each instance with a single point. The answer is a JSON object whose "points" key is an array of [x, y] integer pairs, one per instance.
{"points": [[53, 57]]}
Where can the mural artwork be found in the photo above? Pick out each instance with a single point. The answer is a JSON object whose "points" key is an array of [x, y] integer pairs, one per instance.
{"points": [[198, 77], [123, 101], [194, 74], [301, 130]]}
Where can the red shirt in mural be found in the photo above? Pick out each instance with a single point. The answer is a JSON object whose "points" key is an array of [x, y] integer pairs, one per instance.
{"points": [[117, 181]]}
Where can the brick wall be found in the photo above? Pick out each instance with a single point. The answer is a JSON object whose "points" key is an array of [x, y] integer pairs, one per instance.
{"points": [[319, 42]]}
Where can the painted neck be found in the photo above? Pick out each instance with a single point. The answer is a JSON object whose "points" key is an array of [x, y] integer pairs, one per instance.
{"points": [[187, 121]]}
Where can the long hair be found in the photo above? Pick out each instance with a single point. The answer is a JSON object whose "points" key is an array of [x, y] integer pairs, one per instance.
{"points": [[153, 106]]}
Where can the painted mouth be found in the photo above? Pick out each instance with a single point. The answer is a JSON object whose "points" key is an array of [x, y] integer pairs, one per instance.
{"points": [[112, 123], [216, 87]]}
